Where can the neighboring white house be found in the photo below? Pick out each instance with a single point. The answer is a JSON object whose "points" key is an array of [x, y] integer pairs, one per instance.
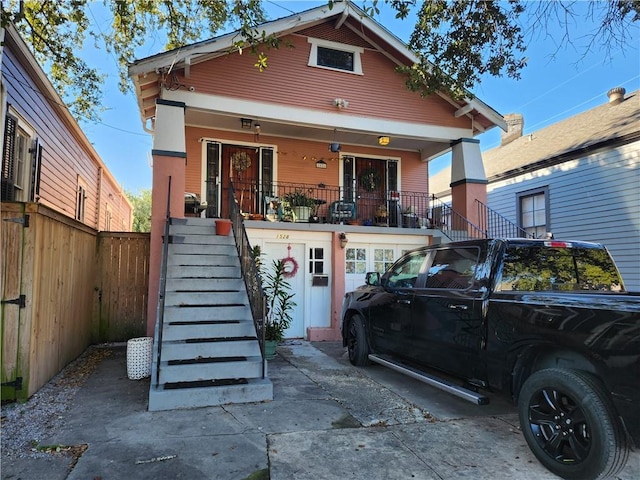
{"points": [[578, 178]]}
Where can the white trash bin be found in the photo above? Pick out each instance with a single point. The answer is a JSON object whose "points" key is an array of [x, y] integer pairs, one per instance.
{"points": [[139, 356]]}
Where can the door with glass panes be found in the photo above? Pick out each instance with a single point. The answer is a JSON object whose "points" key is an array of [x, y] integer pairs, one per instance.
{"points": [[248, 168], [365, 257], [372, 184]]}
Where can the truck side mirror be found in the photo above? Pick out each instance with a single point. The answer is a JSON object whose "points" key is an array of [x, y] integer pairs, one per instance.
{"points": [[372, 278]]}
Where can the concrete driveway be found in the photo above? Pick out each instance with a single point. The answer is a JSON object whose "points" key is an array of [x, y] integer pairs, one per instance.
{"points": [[328, 420]]}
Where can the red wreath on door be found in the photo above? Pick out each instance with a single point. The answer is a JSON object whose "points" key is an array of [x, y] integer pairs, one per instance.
{"points": [[289, 264]]}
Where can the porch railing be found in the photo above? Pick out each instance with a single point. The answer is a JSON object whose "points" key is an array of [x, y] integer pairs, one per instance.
{"points": [[452, 224], [388, 208], [495, 225], [249, 268]]}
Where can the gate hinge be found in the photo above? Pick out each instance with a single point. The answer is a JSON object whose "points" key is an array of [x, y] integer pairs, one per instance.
{"points": [[24, 221], [21, 301], [17, 383]]}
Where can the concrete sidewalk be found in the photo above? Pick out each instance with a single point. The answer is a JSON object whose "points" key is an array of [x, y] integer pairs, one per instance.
{"points": [[328, 420]]}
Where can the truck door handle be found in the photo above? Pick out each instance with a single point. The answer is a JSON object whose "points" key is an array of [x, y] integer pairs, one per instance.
{"points": [[404, 302], [458, 307]]}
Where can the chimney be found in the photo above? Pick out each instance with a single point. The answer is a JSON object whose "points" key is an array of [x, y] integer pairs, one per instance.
{"points": [[616, 95], [515, 124]]}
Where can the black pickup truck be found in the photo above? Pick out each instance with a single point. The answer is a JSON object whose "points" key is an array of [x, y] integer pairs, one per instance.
{"points": [[546, 322]]}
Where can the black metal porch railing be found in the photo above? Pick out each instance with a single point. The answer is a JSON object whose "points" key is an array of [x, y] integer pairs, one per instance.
{"points": [[497, 226], [334, 204], [452, 224], [249, 269]]}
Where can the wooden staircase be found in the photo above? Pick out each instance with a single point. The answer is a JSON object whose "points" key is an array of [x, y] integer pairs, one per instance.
{"points": [[206, 351]]}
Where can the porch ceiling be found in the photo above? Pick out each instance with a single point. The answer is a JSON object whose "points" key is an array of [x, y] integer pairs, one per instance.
{"points": [[428, 147]]}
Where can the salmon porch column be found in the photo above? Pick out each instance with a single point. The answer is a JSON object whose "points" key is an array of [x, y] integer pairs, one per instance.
{"points": [[169, 160], [468, 179], [332, 332]]}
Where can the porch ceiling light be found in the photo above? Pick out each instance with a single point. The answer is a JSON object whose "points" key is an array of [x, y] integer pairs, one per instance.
{"points": [[383, 140], [246, 122]]}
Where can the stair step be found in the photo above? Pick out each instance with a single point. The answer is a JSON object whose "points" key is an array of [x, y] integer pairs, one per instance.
{"points": [[215, 260], [193, 230], [193, 271], [249, 367], [194, 349], [205, 313], [208, 331], [204, 284], [210, 249], [201, 239], [254, 390], [192, 221], [201, 299]]}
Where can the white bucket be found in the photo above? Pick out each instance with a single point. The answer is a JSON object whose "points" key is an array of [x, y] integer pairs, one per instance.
{"points": [[139, 356]]}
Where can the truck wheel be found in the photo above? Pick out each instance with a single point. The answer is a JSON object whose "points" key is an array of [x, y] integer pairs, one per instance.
{"points": [[357, 345], [570, 424]]}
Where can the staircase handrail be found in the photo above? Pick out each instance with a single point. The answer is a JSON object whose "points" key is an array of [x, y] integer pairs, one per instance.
{"points": [[457, 227], [162, 291], [250, 272], [496, 225]]}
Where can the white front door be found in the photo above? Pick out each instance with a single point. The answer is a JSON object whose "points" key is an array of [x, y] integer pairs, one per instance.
{"points": [[294, 253]]}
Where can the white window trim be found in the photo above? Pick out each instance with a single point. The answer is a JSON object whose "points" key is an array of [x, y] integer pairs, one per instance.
{"points": [[343, 47]]}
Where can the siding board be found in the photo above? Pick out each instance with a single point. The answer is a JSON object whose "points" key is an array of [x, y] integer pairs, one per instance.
{"points": [[595, 198]]}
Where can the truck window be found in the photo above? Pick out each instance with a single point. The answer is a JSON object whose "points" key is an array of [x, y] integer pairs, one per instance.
{"points": [[560, 269], [453, 268], [405, 273]]}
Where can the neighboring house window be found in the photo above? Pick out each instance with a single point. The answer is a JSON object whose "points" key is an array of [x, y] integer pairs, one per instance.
{"points": [[335, 56], [21, 161], [533, 212], [81, 198]]}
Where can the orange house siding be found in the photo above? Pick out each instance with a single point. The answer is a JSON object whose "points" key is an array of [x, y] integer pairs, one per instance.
{"points": [[380, 92], [296, 159]]}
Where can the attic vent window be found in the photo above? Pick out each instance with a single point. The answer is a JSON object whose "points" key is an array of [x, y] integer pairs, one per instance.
{"points": [[328, 57], [335, 56]]}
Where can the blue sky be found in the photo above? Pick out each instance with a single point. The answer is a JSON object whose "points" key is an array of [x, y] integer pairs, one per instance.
{"points": [[550, 89]]}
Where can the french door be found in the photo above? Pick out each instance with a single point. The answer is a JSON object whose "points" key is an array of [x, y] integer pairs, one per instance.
{"points": [[249, 168], [369, 182]]}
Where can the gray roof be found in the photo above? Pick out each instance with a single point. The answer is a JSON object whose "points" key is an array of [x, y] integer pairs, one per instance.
{"points": [[564, 139]]}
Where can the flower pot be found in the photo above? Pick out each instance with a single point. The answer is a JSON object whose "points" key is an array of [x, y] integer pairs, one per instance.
{"points": [[270, 349], [223, 226], [302, 213]]}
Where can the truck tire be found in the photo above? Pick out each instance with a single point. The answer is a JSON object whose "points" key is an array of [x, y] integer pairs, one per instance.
{"points": [[570, 424], [357, 345]]}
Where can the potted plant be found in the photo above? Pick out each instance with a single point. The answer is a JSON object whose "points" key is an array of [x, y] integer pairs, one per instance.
{"points": [[301, 204], [280, 305]]}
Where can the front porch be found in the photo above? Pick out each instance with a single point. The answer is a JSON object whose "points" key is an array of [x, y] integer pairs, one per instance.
{"points": [[328, 204]]}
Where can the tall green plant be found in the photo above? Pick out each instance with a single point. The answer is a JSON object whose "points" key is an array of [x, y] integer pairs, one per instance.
{"points": [[280, 302]]}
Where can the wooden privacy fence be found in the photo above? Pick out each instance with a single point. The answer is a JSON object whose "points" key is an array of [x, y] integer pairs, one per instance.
{"points": [[64, 286]]}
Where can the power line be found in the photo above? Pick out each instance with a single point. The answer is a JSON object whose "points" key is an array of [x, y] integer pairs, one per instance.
{"points": [[6, 74]]}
